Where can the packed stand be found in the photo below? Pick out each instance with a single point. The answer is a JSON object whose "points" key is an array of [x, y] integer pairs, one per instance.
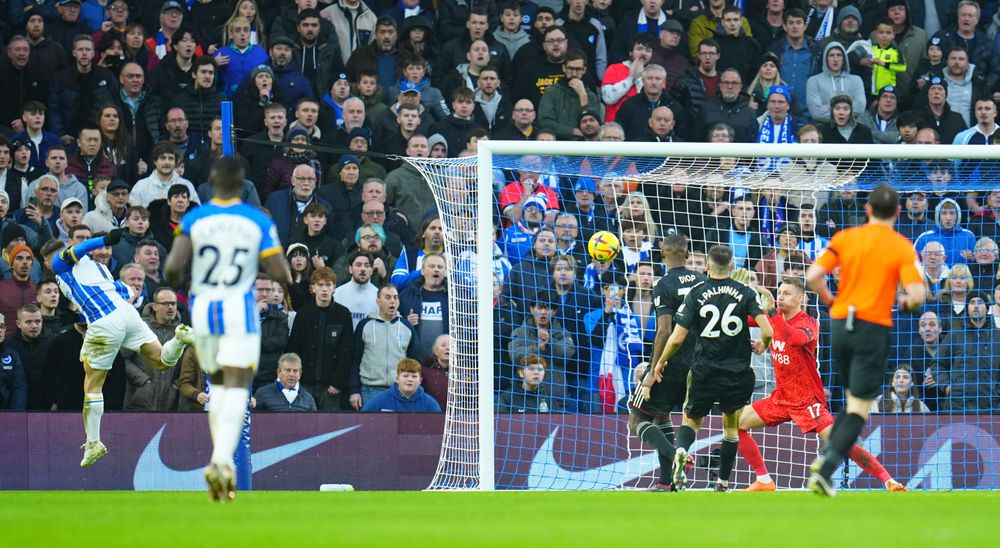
{"points": [[111, 118]]}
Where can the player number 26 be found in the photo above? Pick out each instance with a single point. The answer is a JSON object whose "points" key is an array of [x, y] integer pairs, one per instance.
{"points": [[731, 325]]}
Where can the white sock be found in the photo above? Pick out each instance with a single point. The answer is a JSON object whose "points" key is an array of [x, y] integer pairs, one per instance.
{"points": [[766, 478], [230, 425], [93, 409], [171, 352], [215, 396]]}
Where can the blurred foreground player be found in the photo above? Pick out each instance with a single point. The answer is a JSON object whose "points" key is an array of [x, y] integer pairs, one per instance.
{"points": [[798, 395], [649, 419], [226, 241], [873, 260], [717, 310], [112, 323]]}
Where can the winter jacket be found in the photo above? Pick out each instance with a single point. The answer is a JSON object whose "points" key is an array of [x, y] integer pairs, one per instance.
{"points": [[240, 65], [954, 240], [519, 400], [455, 131], [292, 84], [825, 86], [270, 398], [101, 219], [736, 114], [323, 338], [411, 297], [379, 346], [21, 85], [970, 368], [353, 27], [72, 96], [430, 97], [501, 107], [557, 352], [588, 33], [143, 124], [85, 171], [149, 388], [634, 115], [13, 382], [200, 106], [168, 80], [884, 132], [371, 58], [394, 401], [738, 52], [704, 26], [948, 125], [285, 214], [560, 107], [860, 134], [407, 191]]}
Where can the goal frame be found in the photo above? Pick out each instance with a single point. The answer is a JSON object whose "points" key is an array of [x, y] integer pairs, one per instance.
{"points": [[487, 149]]}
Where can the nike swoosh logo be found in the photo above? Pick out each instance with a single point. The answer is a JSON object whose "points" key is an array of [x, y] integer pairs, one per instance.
{"points": [[547, 474], [152, 474]]}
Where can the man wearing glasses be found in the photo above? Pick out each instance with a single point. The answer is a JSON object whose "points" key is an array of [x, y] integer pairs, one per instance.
{"points": [[149, 387], [562, 102], [700, 82], [729, 108], [541, 71]]}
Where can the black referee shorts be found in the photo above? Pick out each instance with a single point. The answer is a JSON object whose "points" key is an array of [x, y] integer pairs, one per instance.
{"points": [[861, 356], [706, 386]]}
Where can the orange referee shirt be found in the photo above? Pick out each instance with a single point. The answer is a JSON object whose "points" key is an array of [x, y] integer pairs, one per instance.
{"points": [[873, 260]]}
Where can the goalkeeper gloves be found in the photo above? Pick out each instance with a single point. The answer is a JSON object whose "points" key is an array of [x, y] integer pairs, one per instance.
{"points": [[113, 237], [741, 275], [765, 300]]}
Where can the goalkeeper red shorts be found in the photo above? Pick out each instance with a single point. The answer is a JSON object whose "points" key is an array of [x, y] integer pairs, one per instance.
{"points": [[814, 417]]}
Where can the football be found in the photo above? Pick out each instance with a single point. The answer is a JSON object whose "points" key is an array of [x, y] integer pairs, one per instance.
{"points": [[604, 246]]}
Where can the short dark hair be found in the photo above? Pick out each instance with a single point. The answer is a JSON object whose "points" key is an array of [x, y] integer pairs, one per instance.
{"points": [[72, 231], [884, 201], [315, 209], [203, 60], [793, 12], [720, 255], [710, 42], [573, 54], [885, 21], [731, 9], [33, 107], [309, 14], [462, 94], [385, 21], [642, 38], [510, 5], [675, 245], [165, 147]]}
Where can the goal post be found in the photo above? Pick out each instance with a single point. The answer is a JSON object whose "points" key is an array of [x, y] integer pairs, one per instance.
{"points": [[587, 446]]}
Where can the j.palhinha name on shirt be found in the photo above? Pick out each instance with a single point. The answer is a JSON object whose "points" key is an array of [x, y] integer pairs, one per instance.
{"points": [[720, 290]]}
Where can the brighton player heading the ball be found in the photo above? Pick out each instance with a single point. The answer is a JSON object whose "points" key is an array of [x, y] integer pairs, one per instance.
{"points": [[650, 419], [225, 242], [798, 395], [717, 310], [111, 324], [873, 260]]}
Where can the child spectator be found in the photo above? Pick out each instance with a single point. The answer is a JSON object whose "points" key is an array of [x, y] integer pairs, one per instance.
{"points": [[405, 395], [528, 395], [886, 61], [323, 249]]}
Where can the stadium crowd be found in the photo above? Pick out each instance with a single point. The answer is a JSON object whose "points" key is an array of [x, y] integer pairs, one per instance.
{"points": [[110, 117]]}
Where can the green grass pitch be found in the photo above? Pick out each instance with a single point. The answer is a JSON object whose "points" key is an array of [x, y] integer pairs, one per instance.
{"points": [[861, 518]]}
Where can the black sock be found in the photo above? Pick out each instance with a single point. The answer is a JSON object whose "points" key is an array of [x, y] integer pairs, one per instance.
{"points": [[685, 436], [649, 433], [666, 467], [842, 437], [668, 430], [727, 456]]}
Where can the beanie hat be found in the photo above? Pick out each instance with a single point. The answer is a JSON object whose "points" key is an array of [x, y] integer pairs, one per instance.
{"points": [[360, 132], [848, 11], [348, 159], [12, 232]]}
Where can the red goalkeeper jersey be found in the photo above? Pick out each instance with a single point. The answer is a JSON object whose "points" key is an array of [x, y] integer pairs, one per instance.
{"points": [[793, 353]]}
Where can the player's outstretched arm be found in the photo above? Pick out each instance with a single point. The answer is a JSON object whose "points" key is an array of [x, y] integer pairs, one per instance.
{"points": [[787, 333], [914, 297], [277, 267], [177, 261], [69, 257]]}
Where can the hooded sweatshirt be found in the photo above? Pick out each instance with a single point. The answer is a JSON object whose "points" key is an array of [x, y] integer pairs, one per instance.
{"points": [[379, 345], [954, 240], [394, 401], [825, 85]]}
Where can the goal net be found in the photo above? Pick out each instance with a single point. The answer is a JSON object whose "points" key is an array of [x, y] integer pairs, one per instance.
{"points": [[547, 343]]}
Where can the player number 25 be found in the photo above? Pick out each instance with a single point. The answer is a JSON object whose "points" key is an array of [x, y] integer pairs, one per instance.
{"points": [[213, 273], [731, 325]]}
